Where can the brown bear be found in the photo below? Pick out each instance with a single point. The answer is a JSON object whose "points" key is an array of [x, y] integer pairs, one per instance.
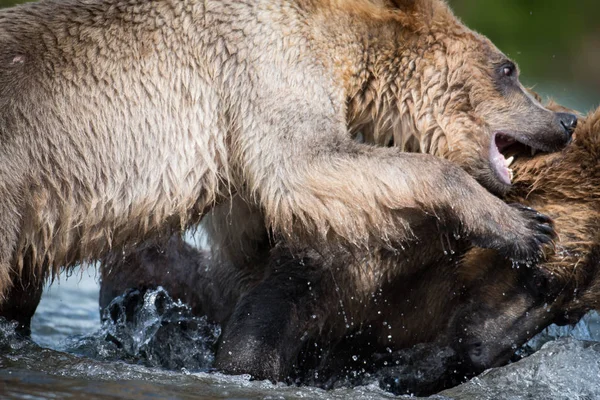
{"points": [[565, 186], [127, 119], [476, 301], [275, 314]]}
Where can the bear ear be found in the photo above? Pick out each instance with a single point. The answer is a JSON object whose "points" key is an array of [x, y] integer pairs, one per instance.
{"points": [[428, 9], [410, 5], [404, 4]]}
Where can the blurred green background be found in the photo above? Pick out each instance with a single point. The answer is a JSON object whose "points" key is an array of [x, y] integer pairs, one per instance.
{"points": [[555, 42]]}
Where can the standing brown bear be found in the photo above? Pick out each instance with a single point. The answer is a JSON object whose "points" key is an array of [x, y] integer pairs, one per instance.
{"points": [[125, 119]]}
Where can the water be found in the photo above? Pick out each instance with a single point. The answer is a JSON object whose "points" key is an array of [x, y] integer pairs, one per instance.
{"points": [[72, 358], [69, 307], [566, 368]]}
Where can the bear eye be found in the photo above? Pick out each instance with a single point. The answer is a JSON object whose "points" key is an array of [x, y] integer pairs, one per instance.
{"points": [[508, 69]]}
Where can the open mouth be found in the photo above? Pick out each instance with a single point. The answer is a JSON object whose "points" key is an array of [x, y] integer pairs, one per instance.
{"points": [[503, 150]]}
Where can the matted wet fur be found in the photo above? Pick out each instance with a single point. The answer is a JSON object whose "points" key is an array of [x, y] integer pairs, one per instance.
{"points": [[127, 119], [478, 303]]}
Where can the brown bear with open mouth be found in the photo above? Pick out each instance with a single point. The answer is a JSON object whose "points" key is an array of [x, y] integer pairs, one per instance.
{"points": [[277, 306], [122, 120]]}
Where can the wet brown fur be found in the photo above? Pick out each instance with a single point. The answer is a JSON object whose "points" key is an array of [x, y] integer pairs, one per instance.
{"points": [[123, 120], [566, 186], [448, 293]]}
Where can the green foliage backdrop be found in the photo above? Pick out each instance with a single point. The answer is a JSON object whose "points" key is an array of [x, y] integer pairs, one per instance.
{"points": [[556, 43]]}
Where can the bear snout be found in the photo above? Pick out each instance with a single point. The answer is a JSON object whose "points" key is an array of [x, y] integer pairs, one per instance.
{"points": [[567, 121], [476, 354], [553, 134]]}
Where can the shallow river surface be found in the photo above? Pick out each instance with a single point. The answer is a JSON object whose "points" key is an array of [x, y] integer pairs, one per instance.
{"points": [[71, 358]]}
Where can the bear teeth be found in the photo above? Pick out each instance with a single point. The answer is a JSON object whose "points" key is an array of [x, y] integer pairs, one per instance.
{"points": [[510, 174], [509, 160]]}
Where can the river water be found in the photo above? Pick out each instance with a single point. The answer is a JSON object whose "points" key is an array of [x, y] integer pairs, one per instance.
{"points": [[71, 358]]}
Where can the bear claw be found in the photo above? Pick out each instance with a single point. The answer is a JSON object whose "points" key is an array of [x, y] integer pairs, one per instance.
{"points": [[522, 238], [540, 229]]}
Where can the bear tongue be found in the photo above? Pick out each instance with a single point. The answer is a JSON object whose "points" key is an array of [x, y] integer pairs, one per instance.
{"points": [[500, 164], [501, 168]]}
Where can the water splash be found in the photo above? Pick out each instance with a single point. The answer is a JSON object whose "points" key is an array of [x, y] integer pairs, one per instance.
{"points": [[150, 328]]}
